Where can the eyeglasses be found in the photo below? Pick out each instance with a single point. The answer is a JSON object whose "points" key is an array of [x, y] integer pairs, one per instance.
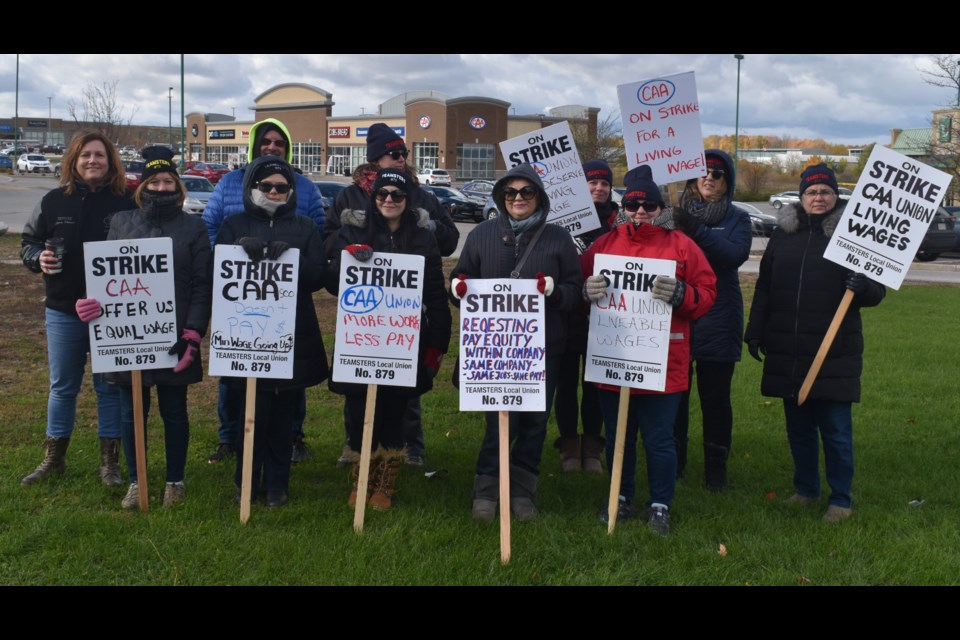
{"points": [[826, 193], [275, 142], [396, 196], [716, 174], [527, 193], [267, 187], [396, 155], [634, 205]]}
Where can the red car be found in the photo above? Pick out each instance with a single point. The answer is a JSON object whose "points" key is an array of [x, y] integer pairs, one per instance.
{"points": [[212, 171], [133, 169]]}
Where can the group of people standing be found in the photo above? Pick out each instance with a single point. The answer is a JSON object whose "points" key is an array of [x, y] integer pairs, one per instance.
{"points": [[267, 208]]}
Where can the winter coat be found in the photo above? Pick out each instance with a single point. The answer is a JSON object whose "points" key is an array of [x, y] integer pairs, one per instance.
{"points": [[650, 241], [78, 218], [797, 294], [310, 360], [191, 278], [435, 313], [227, 198], [356, 199], [492, 251], [726, 244]]}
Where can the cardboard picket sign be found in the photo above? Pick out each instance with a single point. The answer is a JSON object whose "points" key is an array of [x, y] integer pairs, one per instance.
{"points": [[628, 340], [661, 127], [552, 153], [133, 281]]}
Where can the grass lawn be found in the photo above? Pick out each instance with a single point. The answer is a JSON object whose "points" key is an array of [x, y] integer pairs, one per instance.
{"points": [[72, 531]]}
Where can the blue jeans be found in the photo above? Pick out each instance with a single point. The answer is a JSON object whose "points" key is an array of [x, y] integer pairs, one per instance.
{"points": [[653, 416], [172, 400], [528, 430], [68, 341], [835, 424], [229, 432]]}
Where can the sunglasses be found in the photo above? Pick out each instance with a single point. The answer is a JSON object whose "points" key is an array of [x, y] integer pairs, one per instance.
{"points": [[716, 174], [396, 196], [277, 143], [396, 155], [267, 187], [633, 206], [527, 193]]}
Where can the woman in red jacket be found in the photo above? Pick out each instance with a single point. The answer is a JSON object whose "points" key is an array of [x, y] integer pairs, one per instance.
{"points": [[645, 230]]}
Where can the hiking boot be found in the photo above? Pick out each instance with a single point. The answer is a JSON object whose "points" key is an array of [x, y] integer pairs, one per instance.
{"points": [[223, 451], [132, 499], [276, 499], [173, 493], [801, 500], [344, 459], [591, 450], [569, 447], [383, 479], [624, 511], [110, 462], [658, 519], [523, 490], [300, 452], [715, 466], [54, 461], [836, 513], [486, 493]]}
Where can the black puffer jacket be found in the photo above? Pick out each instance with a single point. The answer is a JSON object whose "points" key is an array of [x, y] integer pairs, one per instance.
{"points": [[191, 277], [492, 251], [435, 312], [78, 218], [310, 359], [355, 199], [797, 295]]}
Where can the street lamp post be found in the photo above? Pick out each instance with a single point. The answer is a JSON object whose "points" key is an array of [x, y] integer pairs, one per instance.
{"points": [[49, 116], [736, 132], [170, 117]]}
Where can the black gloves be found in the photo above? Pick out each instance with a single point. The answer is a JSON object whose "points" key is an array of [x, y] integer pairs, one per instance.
{"points": [[685, 221], [275, 248], [253, 247], [755, 349], [856, 282]]}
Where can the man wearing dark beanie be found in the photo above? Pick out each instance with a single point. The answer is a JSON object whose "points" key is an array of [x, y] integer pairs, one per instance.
{"points": [[387, 150], [268, 137]]}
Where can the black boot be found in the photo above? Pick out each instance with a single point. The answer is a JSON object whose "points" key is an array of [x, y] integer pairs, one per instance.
{"points": [[715, 466]]}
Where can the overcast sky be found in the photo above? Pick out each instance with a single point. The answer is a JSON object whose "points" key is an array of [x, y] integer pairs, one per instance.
{"points": [[852, 99]]}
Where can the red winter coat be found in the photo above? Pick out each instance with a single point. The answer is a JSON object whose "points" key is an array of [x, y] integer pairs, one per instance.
{"points": [[650, 241]]}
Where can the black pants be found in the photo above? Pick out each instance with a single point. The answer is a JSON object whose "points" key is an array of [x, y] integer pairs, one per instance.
{"points": [[569, 378], [272, 437], [387, 420], [713, 387]]}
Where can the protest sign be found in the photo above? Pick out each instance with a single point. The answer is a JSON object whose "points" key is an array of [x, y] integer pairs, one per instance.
{"points": [[254, 315], [629, 335], [661, 127], [133, 281], [553, 154], [378, 319], [502, 346], [887, 216]]}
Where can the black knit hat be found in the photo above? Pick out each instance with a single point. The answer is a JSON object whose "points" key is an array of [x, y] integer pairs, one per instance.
{"points": [[818, 174], [270, 165], [391, 177], [597, 170], [157, 160], [381, 140], [640, 185]]}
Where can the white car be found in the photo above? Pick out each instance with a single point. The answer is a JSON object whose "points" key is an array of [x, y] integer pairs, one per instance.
{"points": [[199, 190], [434, 176], [33, 163]]}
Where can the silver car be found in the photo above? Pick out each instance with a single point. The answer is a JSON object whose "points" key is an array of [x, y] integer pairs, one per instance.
{"points": [[786, 197], [199, 190]]}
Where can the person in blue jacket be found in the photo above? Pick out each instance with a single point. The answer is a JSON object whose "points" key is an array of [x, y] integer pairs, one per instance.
{"points": [[724, 233], [268, 137]]}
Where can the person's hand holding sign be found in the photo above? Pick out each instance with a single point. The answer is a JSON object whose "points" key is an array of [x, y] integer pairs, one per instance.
{"points": [[87, 309], [432, 360], [187, 347], [668, 289], [544, 284], [856, 282], [361, 252], [275, 248], [458, 286], [595, 287], [253, 247]]}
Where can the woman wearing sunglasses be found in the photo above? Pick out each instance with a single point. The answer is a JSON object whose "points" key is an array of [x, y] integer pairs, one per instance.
{"points": [[391, 227], [269, 226], [645, 230], [521, 244], [724, 233]]}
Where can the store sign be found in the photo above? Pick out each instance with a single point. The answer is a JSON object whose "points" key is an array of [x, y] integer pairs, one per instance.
{"points": [[195, 131], [425, 122], [36, 123], [477, 122], [400, 131], [339, 132], [223, 134]]}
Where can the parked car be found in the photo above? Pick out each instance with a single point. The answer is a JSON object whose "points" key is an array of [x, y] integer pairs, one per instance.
{"points": [[133, 169], [14, 151], [457, 204], [129, 151], [199, 190], [490, 210], [785, 197], [328, 191], [212, 171], [844, 193], [6, 163], [33, 163], [52, 149], [478, 188], [955, 211], [434, 176], [763, 223], [940, 236], [56, 170]]}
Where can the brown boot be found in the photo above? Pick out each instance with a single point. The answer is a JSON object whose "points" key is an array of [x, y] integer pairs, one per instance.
{"points": [[384, 476], [53, 462], [591, 448], [110, 462], [569, 447], [354, 459]]}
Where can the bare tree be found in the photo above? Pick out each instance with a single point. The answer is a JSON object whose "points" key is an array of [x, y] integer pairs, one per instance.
{"points": [[99, 108], [752, 177], [946, 74], [606, 145]]}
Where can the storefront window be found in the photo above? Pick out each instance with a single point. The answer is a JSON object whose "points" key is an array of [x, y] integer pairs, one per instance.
{"points": [[426, 155], [475, 161]]}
